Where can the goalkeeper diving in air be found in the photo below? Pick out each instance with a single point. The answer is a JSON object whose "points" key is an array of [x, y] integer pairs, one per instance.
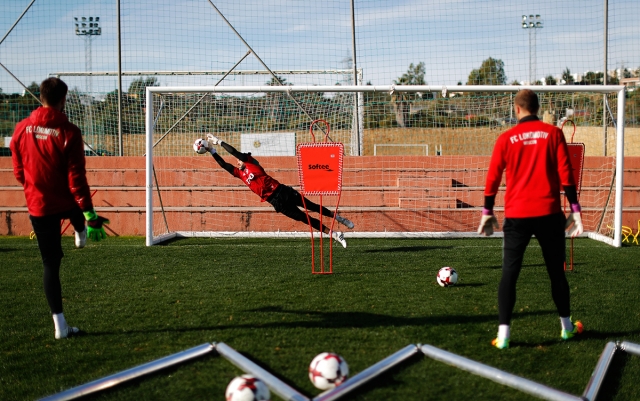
{"points": [[283, 198]]}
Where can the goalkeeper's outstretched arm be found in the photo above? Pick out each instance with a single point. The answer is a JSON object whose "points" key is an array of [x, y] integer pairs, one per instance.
{"points": [[227, 166], [238, 155]]}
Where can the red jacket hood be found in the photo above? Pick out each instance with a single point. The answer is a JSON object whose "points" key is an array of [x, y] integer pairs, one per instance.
{"points": [[48, 117]]}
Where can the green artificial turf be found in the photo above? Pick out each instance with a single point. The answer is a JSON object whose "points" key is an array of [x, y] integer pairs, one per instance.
{"points": [[137, 304]]}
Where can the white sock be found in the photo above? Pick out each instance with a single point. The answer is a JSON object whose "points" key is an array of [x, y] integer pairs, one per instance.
{"points": [[59, 322], [566, 323], [503, 331]]}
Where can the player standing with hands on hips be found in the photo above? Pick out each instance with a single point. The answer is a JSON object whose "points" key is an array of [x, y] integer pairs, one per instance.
{"points": [[536, 159], [283, 198], [48, 160]]}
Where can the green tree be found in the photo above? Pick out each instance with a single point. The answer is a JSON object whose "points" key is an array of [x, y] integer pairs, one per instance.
{"points": [[413, 76], [34, 88], [491, 72], [567, 78], [138, 87], [550, 80], [401, 101], [277, 81]]}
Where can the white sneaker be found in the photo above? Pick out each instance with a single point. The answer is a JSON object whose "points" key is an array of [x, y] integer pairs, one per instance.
{"points": [[66, 333], [338, 236], [81, 238], [344, 221]]}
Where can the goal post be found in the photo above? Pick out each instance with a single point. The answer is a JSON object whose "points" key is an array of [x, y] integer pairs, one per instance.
{"points": [[399, 192]]}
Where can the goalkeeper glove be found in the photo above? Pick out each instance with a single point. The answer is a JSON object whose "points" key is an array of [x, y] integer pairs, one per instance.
{"points": [[95, 231], [212, 150], [213, 140], [487, 223], [574, 221]]}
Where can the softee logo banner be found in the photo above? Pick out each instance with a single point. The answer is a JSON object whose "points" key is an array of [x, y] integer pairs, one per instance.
{"points": [[320, 168]]}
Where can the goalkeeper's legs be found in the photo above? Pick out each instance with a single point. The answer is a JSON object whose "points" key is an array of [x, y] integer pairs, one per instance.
{"points": [[516, 238], [47, 230], [517, 235], [293, 212], [551, 237], [314, 207]]}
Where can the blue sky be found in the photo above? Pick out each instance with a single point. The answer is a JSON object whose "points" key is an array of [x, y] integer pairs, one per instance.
{"points": [[451, 37]]}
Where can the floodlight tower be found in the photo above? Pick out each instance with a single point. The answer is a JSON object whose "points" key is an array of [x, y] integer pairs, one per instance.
{"points": [[532, 23], [88, 27]]}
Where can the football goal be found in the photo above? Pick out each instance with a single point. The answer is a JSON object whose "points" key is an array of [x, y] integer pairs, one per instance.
{"points": [[415, 156]]}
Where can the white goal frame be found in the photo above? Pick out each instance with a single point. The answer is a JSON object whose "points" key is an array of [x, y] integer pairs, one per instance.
{"points": [[149, 127]]}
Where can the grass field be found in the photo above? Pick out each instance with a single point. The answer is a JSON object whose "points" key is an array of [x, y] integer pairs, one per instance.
{"points": [[138, 304]]}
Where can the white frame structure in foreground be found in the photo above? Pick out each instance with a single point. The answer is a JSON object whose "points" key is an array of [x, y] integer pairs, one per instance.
{"points": [[604, 89], [286, 392]]}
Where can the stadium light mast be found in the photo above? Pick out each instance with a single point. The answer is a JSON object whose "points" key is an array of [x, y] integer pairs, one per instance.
{"points": [[88, 27], [532, 23]]}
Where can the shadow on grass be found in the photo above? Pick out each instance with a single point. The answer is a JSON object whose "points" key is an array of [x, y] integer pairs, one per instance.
{"points": [[530, 265], [337, 320], [470, 285], [387, 379], [586, 335], [172, 241], [408, 249], [611, 384], [114, 387]]}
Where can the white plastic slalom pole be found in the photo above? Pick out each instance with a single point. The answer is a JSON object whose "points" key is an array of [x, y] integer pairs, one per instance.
{"points": [[597, 377], [129, 374], [369, 374], [497, 375], [630, 348], [276, 385]]}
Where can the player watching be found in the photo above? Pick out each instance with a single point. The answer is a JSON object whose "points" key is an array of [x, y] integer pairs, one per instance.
{"points": [[283, 198], [536, 159], [48, 160]]}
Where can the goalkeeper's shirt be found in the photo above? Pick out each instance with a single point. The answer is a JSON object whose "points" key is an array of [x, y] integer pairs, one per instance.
{"points": [[536, 160], [261, 183]]}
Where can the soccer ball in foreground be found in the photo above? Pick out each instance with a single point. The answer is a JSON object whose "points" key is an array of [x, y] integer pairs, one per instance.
{"points": [[200, 146], [247, 388], [328, 370], [447, 276]]}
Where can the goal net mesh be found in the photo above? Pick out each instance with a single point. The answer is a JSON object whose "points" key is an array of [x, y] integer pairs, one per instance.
{"points": [[415, 162]]}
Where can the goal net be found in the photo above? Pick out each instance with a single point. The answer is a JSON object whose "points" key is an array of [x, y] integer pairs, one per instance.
{"points": [[415, 156]]}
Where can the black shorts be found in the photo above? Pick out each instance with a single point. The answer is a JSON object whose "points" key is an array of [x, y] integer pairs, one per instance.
{"points": [[47, 230], [286, 200]]}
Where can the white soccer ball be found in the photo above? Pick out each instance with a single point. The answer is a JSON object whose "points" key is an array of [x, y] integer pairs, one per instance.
{"points": [[247, 388], [328, 370], [200, 146], [447, 276]]}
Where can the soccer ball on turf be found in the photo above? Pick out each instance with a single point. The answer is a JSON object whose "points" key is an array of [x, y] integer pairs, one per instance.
{"points": [[447, 276], [247, 388], [328, 370], [200, 146]]}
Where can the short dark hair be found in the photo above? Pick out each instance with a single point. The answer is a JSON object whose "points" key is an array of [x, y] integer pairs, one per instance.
{"points": [[53, 91], [528, 100]]}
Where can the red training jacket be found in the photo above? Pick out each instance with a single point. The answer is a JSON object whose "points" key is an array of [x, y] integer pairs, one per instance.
{"points": [[48, 160], [536, 159], [261, 183]]}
